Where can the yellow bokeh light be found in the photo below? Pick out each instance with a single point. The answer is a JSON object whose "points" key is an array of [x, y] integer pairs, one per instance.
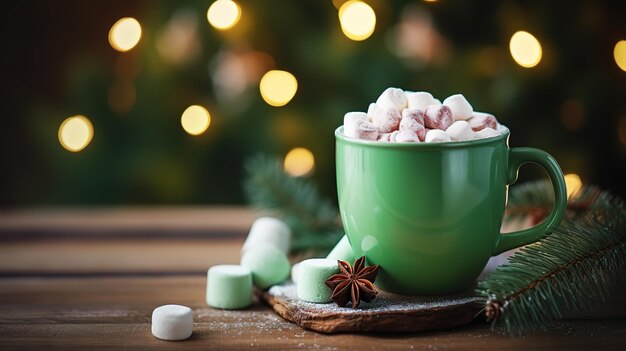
{"points": [[223, 14], [525, 49], [619, 53], [75, 133], [573, 184], [299, 162], [278, 87], [125, 34], [195, 120], [357, 20]]}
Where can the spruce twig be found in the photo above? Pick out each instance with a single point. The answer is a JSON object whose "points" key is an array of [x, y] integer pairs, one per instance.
{"points": [[575, 268], [313, 220]]}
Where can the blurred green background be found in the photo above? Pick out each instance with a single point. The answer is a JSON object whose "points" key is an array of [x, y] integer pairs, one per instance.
{"points": [[58, 62]]}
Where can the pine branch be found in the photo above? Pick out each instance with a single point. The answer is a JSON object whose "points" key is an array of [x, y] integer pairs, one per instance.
{"points": [[575, 268], [314, 221], [537, 198]]}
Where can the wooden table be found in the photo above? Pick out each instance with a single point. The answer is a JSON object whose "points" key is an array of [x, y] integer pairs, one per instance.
{"points": [[78, 279]]}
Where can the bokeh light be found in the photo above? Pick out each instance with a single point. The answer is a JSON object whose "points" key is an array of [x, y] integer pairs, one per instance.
{"points": [[357, 20], [573, 184], [278, 87], [299, 162], [75, 133], [619, 53], [125, 34], [525, 49], [223, 14], [195, 120]]}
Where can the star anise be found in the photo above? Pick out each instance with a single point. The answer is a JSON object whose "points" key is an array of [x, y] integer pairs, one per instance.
{"points": [[354, 284]]}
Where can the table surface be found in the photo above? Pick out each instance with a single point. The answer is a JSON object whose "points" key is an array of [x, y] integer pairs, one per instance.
{"points": [[75, 278]]}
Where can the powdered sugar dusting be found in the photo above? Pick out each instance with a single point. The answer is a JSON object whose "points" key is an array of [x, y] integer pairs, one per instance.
{"points": [[384, 303]]}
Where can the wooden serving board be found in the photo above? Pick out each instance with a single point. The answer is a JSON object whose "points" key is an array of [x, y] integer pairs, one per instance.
{"points": [[387, 313]]}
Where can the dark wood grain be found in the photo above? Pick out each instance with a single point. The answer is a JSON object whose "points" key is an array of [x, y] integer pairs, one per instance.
{"points": [[96, 288]]}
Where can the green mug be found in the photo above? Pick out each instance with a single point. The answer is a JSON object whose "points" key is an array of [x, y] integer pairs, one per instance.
{"points": [[430, 213]]}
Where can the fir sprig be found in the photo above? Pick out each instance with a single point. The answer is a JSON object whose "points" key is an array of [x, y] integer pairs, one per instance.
{"points": [[575, 268], [313, 220]]}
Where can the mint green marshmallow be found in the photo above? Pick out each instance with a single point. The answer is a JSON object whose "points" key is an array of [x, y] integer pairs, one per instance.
{"points": [[268, 264], [342, 251], [312, 274], [229, 287]]}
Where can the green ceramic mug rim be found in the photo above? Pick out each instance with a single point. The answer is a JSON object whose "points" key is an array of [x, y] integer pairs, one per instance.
{"points": [[439, 145]]}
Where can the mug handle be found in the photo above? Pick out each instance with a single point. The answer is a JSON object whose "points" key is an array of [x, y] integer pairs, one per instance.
{"points": [[517, 157]]}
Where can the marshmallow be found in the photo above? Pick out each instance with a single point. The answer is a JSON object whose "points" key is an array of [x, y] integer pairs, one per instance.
{"points": [[437, 117], [461, 109], [407, 137], [172, 322], [367, 131], [342, 251], [313, 273], [386, 119], [460, 131], [351, 120], [392, 98], [268, 265], [229, 287], [437, 102], [413, 121], [486, 133], [268, 230], [482, 120], [420, 100], [388, 137], [295, 271], [437, 136]]}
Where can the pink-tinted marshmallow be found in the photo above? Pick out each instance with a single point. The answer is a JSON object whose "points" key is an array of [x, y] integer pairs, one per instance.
{"points": [[480, 121], [437, 117]]}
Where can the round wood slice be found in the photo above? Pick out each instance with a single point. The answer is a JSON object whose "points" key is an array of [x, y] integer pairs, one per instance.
{"points": [[387, 313]]}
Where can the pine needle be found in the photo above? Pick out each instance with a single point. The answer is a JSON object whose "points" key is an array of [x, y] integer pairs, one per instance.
{"points": [[314, 221], [574, 269]]}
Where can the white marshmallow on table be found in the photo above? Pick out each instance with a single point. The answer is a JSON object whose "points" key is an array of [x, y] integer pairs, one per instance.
{"points": [[461, 108], [392, 98], [420, 100], [172, 322], [437, 136], [460, 131], [351, 121], [407, 137], [268, 230], [486, 133], [385, 119]]}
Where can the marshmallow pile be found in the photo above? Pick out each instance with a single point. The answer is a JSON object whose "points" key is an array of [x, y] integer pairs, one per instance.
{"points": [[406, 116]]}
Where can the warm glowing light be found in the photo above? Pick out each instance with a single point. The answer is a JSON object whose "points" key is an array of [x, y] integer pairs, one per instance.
{"points": [[525, 49], [573, 184], [223, 14], [357, 19], [278, 87], [125, 34], [75, 133], [299, 162], [619, 53], [195, 120]]}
